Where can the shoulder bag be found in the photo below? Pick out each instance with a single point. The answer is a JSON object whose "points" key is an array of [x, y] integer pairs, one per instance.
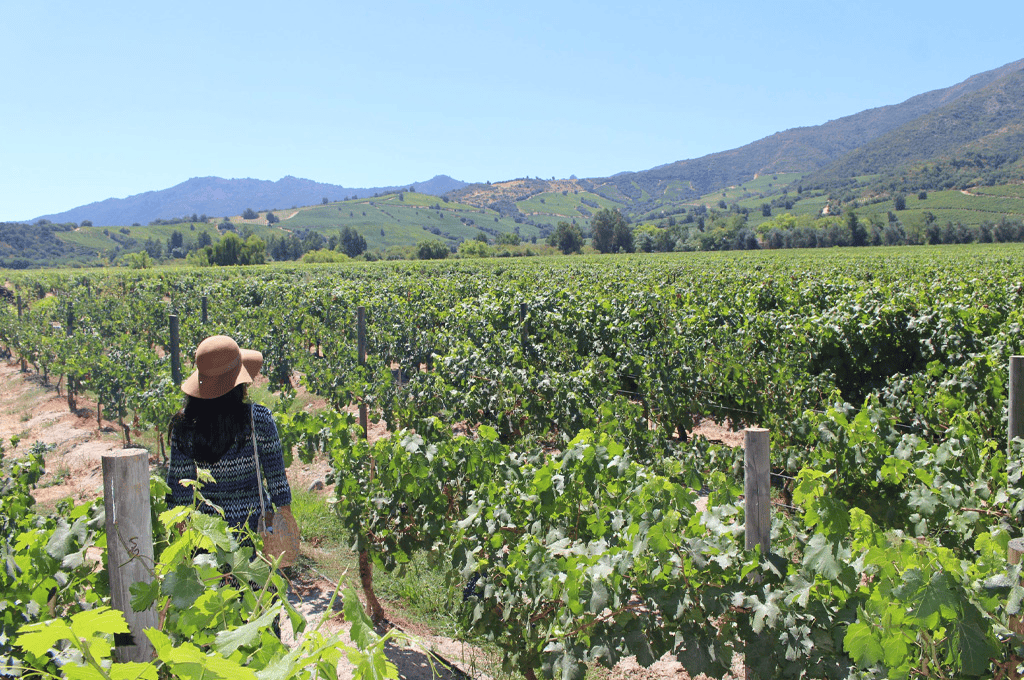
{"points": [[279, 531]]}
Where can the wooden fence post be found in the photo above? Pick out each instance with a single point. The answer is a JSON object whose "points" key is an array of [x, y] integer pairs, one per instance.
{"points": [[757, 499], [206, 317], [757, 488], [24, 366], [524, 325], [1014, 551], [69, 327], [175, 351], [1016, 414], [129, 545], [361, 340]]}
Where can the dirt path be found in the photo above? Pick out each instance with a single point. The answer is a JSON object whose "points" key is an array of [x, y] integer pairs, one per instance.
{"points": [[32, 411]]}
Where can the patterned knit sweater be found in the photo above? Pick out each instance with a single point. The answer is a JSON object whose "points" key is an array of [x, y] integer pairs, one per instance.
{"points": [[235, 486]]}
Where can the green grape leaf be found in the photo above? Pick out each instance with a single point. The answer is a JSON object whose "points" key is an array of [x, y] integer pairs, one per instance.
{"points": [[972, 643], [229, 640], [820, 557], [38, 638], [133, 671], [182, 586], [144, 594], [862, 645]]}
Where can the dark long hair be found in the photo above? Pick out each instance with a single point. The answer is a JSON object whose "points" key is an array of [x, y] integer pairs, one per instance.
{"points": [[213, 425]]}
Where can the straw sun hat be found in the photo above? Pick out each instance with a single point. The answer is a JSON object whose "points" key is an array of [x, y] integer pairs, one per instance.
{"points": [[221, 365]]}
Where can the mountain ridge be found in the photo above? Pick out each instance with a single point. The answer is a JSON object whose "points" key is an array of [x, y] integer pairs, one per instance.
{"points": [[216, 197], [932, 125]]}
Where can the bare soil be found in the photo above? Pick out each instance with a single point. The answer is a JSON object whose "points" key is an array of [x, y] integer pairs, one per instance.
{"points": [[33, 410]]}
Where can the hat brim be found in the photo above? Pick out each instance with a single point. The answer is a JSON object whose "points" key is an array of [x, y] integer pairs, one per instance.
{"points": [[216, 386], [253, 362]]}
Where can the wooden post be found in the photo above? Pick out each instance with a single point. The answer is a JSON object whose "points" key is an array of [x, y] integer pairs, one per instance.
{"points": [[757, 499], [361, 339], [1014, 551], [757, 488], [129, 545], [1016, 415], [24, 367], [69, 328], [524, 325], [175, 351], [206, 317]]}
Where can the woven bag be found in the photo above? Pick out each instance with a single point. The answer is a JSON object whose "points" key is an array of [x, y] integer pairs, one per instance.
{"points": [[279, 530]]}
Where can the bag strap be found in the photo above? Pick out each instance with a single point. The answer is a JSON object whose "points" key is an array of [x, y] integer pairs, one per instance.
{"points": [[256, 457]]}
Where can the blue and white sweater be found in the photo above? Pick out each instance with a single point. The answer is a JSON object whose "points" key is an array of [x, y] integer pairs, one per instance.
{"points": [[235, 486]]}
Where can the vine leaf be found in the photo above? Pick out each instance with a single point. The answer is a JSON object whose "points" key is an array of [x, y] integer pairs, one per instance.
{"points": [[144, 594], [970, 644], [862, 645], [230, 640], [183, 587], [820, 557]]}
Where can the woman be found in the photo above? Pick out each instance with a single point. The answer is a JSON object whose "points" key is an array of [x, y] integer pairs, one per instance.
{"points": [[214, 432]]}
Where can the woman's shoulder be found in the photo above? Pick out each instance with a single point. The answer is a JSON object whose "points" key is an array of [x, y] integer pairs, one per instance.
{"points": [[261, 413]]}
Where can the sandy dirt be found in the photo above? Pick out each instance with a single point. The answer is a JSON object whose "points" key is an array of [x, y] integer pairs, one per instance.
{"points": [[34, 411]]}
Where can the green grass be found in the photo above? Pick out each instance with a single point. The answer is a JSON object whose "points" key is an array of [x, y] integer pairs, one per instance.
{"points": [[420, 586], [563, 207], [1012, 190], [403, 222], [103, 239], [318, 523], [955, 206]]}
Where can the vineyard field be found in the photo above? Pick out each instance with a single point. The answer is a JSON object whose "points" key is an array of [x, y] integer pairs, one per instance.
{"points": [[542, 416]]}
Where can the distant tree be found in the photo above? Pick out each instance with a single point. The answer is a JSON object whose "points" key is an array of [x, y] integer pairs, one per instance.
{"points": [[195, 217], [432, 249], [766, 209], [250, 214], [153, 247], [858, 234], [900, 202], [482, 237], [352, 242], [272, 218], [566, 237], [602, 228], [507, 239], [324, 201], [140, 260], [86, 223], [610, 232], [922, 195], [177, 240], [474, 248]]}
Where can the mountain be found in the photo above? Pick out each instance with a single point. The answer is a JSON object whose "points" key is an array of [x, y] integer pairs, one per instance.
{"points": [[988, 122], [809, 149], [219, 197]]}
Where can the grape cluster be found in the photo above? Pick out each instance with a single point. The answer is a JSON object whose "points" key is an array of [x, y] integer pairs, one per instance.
{"points": [[470, 590]]}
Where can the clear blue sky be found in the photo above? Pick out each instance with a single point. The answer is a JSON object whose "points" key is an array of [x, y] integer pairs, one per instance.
{"points": [[108, 99]]}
